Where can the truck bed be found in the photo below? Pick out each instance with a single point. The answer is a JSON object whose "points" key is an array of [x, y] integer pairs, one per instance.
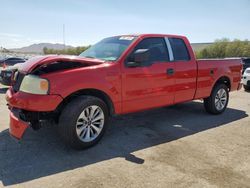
{"points": [[210, 70]]}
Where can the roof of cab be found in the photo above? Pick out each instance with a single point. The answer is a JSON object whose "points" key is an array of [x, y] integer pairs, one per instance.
{"points": [[153, 35]]}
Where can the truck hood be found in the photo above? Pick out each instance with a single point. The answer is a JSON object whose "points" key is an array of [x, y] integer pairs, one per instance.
{"points": [[39, 61]]}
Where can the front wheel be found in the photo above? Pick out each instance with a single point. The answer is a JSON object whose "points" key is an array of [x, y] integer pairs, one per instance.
{"points": [[83, 122], [217, 102]]}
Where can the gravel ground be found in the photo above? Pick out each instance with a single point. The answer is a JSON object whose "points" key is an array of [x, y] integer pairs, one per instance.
{"points": [[177, 146]]}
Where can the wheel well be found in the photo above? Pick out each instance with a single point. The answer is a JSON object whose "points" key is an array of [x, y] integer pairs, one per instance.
{"points": [[92, 92], [224, 80]]}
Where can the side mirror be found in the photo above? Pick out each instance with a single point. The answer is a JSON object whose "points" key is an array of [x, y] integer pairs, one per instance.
{"points": [[133, 64], [138, 57]]}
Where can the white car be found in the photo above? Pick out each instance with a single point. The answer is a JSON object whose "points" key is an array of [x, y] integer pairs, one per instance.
{"points": [[246, 79]]}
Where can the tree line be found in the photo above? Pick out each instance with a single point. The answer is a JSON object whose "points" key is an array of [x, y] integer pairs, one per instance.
{"points": [[219, 49], [225, 48], [67, 51]]}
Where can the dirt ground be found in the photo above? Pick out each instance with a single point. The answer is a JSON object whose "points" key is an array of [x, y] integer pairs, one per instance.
{"points": [[177, 146]]}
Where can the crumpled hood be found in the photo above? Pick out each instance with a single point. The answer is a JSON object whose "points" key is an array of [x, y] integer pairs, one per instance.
{"points": [[35, 62]]}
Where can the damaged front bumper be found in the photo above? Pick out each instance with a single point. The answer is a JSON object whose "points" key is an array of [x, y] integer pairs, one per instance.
{"points": [[30, 110], [17, 126]]}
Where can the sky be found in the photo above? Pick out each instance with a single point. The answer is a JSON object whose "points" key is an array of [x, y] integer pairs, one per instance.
{"points": [[24, 22]]}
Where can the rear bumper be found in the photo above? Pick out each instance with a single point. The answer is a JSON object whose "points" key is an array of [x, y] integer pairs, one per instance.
{"points": [[17, 126], [32, 102]]}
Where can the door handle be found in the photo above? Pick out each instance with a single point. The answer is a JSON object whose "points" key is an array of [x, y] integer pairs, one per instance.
{"points": [[170, 71], [212, 72]]}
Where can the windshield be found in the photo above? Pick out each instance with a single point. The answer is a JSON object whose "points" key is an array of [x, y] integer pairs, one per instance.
{"points": [[109, 49]]}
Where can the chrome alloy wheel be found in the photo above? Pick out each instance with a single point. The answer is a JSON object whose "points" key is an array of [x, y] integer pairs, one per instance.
{"points": [[90, 123], [221, 99]]}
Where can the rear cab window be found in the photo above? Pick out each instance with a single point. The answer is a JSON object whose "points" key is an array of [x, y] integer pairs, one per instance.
{"points": [[179, 48]]}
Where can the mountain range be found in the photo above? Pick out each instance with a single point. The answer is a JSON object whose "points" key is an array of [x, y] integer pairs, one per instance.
{"points": [[38, 48]]}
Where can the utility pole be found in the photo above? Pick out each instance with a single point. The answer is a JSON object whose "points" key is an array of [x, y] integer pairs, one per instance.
{"points": [[64, 36]]}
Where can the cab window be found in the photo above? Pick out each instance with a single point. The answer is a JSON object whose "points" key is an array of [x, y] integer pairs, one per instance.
{"points": [[157, 49], [180, 51]]}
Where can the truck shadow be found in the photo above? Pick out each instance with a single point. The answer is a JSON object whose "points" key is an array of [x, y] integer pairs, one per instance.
{"points": [[42, 154]]}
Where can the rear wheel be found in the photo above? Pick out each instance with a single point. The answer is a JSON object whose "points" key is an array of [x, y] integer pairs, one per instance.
{"points": [[83, 122], [217, 102]]}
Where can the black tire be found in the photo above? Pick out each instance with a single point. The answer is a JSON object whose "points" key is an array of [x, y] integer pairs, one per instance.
{"points": [[246, 87], [209, 103], [69, 117]]}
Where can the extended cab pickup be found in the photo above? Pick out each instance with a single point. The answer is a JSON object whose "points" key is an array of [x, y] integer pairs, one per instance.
{"points": [[118, 75]]}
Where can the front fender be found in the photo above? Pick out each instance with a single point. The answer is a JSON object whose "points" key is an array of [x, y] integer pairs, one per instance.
{"points": [[106, 79]]}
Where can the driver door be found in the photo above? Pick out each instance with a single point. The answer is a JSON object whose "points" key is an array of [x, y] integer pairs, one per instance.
{"points": [[152, 83]]}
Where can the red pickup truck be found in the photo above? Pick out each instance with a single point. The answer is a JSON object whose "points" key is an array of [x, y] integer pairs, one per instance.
{"points": [[118, 75]]}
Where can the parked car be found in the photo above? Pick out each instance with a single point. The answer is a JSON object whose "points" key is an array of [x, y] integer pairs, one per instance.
{"points": [[1, 62], [11, 61], [246, 79], [246, 64], [118, 75], [6, 73]]}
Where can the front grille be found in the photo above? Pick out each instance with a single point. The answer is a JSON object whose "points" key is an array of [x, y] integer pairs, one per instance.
{"points": [[248, 82], [18, 80]]}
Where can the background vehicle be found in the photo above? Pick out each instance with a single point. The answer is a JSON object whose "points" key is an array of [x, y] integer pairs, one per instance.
{"points": [[6, 73], [118, 75], [246, 63], [246, 79], [10, 61]]}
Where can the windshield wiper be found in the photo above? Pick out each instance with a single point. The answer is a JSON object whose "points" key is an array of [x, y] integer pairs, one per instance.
{"points": [[89, 57], [98, 58]]}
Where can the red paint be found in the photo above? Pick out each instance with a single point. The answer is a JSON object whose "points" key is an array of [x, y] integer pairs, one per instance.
{"points": [[32, 102], [130, 89], [231, 68], [17, 126]]}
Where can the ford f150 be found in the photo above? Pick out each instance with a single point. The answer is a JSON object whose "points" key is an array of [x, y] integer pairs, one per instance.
{"points": [[118, 75]]}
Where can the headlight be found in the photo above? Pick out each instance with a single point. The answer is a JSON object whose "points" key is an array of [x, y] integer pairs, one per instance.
{"points": [[35, 85]]}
